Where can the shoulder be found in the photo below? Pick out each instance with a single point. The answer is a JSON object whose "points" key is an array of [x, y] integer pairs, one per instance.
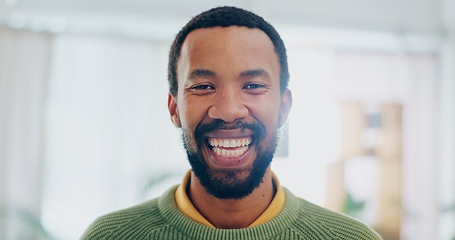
{"points": [[331, 223], [140, 220], [123, 221]]}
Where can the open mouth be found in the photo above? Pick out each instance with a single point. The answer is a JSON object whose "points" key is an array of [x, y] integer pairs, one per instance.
{"points": [[229, 147]]}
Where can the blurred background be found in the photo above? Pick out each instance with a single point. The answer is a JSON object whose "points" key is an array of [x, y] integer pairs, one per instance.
{"points": [[84, 126]]}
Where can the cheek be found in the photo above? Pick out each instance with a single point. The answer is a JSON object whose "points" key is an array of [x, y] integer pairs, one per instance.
{"points": [[191, 114], [266, 111], [188, 126]]}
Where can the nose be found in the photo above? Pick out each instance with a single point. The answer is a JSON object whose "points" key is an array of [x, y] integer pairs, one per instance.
{"points": [[228, 107]]}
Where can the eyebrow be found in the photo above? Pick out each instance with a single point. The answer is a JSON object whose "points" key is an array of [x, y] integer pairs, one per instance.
{"points": [[254, 73], [201, 73], [208, 73]]}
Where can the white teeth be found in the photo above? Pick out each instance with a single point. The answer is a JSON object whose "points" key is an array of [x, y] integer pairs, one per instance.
{"points": [[233, 143], [229, 143], [230, 147], [230, 153]]}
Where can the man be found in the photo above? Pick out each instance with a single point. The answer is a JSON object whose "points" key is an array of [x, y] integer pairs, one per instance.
{"points": [[228, 79]]}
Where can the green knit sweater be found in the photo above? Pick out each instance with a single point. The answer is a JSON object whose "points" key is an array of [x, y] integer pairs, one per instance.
{"points": [[160, 218]]}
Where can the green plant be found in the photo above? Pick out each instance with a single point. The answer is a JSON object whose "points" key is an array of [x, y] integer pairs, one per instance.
{"points": [[352, 207], [155, 179], [28, 220]]}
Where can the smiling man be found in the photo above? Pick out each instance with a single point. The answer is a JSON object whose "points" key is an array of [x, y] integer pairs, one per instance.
{"points": [[228, 93]]}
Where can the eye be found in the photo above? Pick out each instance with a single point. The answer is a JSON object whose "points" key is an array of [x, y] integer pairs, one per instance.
{"points": [[202, 89], [253, 86]]}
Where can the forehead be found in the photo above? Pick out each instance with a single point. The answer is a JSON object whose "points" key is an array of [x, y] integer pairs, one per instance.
{"points": [[231, 48]]}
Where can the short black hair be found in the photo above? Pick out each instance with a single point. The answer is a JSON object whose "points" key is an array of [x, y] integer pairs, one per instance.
{"points": [[226, 17]]}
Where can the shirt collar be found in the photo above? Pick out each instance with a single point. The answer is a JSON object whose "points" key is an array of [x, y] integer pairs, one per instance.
{"points": [[186, 206]]}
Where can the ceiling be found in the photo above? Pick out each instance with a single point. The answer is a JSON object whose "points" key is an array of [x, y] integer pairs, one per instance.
{"points": [[163, 17]]}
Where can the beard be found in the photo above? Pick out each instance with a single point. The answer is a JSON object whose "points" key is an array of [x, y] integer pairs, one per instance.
{"points": [[230, 183]]}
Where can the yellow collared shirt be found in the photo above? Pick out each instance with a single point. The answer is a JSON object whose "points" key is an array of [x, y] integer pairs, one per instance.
{"points": [[186, 206]]}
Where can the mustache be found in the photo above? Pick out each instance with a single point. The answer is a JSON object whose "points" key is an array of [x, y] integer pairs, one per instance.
{"points": [[256, 128]]}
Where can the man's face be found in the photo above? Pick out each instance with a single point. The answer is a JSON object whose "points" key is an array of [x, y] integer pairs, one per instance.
{"points": [[229, 107]]}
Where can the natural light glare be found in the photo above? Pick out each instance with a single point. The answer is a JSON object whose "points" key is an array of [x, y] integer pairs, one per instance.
{"points": [[313, 124]]}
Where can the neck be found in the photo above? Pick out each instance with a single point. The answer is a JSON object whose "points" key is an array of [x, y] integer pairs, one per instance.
{"points": [[232, 213]]}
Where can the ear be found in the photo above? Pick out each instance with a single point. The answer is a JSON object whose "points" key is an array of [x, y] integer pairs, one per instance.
{"points": [[285, 107], [173, 111]]}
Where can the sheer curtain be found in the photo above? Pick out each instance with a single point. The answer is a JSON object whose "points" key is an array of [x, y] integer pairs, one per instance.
{"points": [[108, 128], [24, 64]]}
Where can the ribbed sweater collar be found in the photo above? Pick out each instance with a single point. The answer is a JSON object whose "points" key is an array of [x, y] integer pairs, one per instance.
{"points": [[169, 211]]}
